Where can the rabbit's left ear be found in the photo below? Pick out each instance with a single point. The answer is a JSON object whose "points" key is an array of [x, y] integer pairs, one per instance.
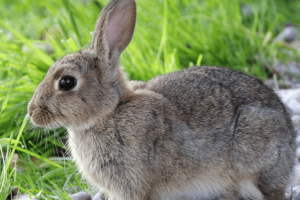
{"points": [[114, 28]]}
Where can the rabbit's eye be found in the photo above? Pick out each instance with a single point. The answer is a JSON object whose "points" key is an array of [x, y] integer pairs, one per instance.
{"points": [[67, 83]]}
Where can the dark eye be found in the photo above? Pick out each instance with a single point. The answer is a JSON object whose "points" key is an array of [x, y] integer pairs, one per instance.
{"points": [[67, 83]]}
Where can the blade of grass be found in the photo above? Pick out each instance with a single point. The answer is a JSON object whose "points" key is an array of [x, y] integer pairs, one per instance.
{"points": [[6, 97]]}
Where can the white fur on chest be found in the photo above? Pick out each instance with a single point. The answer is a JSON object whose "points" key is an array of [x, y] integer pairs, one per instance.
{"points": [[84, 154]]}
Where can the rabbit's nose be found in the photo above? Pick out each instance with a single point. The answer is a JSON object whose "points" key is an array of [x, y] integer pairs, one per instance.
{"points": [[30, 108]]}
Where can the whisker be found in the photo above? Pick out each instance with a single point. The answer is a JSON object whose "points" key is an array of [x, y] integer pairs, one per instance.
{"points": [[56, 134], [40, 135], [57, 109], [54, 138]]}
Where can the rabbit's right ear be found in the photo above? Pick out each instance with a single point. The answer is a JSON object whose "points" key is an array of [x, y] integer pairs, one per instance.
{"points": [[114, 29]]}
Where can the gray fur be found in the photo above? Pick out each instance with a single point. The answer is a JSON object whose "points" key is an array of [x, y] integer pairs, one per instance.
{"points": [[203, 132]]}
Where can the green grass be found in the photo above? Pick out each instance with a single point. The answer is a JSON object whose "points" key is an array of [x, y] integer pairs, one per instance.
{"points": [[170, 35]]}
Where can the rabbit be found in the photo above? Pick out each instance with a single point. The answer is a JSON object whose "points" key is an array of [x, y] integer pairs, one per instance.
{"points": [[199, 133]]}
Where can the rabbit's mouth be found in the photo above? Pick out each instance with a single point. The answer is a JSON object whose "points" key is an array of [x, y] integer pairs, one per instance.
{"points": [[41, 116], [44, 121]]}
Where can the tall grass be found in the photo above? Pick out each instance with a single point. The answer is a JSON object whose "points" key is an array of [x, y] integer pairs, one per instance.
{"points": [[170, 35]]}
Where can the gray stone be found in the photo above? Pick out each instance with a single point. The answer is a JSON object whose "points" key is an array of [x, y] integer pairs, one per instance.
{"points": [[292, 193], [298, 140], [297, 197], [281, 85], [291, 98], [81, 196], [296, 122], [99, 196], [92, 190], [72, 190], [290, 70], [15, 195], [24, 197], [289, 34], [298, 153], [15, 190]]}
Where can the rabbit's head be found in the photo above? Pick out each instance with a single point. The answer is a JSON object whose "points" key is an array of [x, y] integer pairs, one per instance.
{"points": [[83, 87]]}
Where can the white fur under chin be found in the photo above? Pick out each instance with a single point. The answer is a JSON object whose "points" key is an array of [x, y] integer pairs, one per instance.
{"points": [[81, 152], [84, 125]]}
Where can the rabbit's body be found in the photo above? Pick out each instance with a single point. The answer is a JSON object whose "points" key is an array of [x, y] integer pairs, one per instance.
{"points": [[219, 139], [200, 133]]}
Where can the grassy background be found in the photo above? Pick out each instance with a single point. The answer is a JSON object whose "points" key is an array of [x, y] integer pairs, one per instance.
{"points": [[170, 35]]}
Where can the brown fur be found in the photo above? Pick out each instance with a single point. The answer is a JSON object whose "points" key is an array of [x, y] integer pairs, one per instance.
{"points": [[200, 133]]}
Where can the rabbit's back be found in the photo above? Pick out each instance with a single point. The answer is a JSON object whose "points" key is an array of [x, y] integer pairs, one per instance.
{"points": [[232, 117], [191, 86], [209, 96]]}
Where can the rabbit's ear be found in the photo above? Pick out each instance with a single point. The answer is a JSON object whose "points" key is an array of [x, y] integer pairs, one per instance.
{"points": [[114, 28]]}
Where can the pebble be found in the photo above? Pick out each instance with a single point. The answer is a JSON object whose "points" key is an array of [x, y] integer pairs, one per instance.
{"points": [[24, 197], [289, 34], [281, 85], [298, 140], [296, 192], [81, 196], [298, 154], [15, 195], [290, 71], [291, 98], [99, 196]]}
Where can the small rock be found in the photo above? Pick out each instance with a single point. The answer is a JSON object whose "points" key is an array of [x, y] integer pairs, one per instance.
{"points": [[14, 192], [296, 122], [298, 140], [289, 34], [81, 196], [291, 98], [271, 84], [14, 195], [293, 193], [99, 196], [298, 153], [24, 197], [296, 192], [93, 191], [297, 197], [71, 190], [294, 184], [291, 70]]}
